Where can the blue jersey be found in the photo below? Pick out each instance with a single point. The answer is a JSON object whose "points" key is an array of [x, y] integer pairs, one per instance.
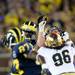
{"points": [[28, 66]]}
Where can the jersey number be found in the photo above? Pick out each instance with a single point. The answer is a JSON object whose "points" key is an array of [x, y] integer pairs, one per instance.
{"points": [[59, 59]]}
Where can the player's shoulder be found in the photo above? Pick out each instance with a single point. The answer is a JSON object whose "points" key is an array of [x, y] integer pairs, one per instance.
{"points": [[65, 35], [23, 47], [70, 43], [43, 50], [16, 47], [40, 49]]}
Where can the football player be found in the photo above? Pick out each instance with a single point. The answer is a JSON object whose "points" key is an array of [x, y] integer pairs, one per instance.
{"points": [[57, 55], [21, 63], [16, 35], [43, 23], [12, 37]]}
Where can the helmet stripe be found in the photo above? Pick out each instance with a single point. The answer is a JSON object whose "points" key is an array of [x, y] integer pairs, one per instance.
{"points": [[19, 32], [13, 32]]}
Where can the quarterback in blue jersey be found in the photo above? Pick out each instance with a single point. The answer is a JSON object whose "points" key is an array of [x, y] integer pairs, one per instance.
{"points": [[21, 64]]}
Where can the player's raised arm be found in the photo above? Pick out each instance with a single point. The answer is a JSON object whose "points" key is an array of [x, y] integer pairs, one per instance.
{"points": [[41, 26]]}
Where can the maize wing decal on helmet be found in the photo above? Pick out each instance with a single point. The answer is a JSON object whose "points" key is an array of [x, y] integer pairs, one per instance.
{"points": [[13, 37], [29, 26]]}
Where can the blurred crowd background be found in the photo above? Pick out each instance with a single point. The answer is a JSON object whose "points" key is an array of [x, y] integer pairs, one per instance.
{"points": [[15, 12]]}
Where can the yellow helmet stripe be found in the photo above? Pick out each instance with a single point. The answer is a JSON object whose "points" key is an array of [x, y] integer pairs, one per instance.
{"points": [[31, 28], [19, 32], [29, 23], [12, 31]]}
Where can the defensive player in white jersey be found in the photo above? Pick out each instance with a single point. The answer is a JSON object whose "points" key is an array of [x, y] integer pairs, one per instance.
{"points": [[57, 55], [43, 23]]}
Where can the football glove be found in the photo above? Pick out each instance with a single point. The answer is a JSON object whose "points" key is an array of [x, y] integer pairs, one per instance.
{"points": [[41, 23]]}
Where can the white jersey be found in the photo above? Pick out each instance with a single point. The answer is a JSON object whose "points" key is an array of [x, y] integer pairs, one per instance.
{"points": [[65, 36], [59, 61]]}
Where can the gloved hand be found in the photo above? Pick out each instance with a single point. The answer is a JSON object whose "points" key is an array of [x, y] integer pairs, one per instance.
{"points": [[41, 23], [42, 26]]}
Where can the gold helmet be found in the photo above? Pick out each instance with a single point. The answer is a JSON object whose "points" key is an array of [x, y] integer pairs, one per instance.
{"points": [[53, 38]]}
